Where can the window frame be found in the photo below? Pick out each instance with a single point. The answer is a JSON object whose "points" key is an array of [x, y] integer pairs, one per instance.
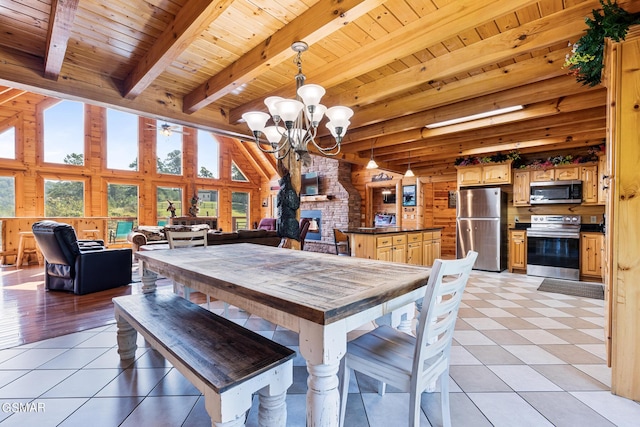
{"points": [[105, 139], [15, 122], [86, 196], [40, 150]]}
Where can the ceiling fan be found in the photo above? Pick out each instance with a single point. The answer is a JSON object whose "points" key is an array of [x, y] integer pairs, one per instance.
{"points": [[166, 129]]}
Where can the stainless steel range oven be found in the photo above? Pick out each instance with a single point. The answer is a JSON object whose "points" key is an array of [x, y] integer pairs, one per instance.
{"points": [[553, 246]]}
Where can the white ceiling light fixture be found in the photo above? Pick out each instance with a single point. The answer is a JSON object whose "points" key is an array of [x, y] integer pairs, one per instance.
{"points": [[300, 118], [475, 117], [409, 173]]}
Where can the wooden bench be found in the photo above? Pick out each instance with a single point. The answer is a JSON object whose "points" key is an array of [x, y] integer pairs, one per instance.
{"points": [[226, 362]]}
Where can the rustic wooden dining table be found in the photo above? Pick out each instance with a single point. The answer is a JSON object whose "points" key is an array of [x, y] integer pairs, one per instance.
{"points": [[320, 296]]}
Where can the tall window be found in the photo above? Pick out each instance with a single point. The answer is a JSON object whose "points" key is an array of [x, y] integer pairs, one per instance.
{"points": [[208, 202], [208, 155], [8, 143], [63, 198], [169, 148], [240, 210], [122, 201], [168, 195], [7, 196], [122, 140], [64, 133]]}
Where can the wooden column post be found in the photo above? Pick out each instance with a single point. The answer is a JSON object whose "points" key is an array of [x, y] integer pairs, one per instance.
{"points": [[622, 316]]}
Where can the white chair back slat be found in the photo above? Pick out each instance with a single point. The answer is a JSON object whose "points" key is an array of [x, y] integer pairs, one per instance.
{"points": [[186, 239], [440, 308]]}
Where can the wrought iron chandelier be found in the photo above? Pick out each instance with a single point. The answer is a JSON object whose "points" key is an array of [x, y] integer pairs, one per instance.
{"points": [[295, 121]]}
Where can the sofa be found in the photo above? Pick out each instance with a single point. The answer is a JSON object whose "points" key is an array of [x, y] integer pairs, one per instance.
{"points": [[151, 236]]}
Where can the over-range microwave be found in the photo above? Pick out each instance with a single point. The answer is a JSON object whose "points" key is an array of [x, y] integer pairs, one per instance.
{"points": [[551, 192]]}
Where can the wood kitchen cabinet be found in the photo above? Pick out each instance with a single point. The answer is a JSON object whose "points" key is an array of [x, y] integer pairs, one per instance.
{"points": [[521, 188], [558, 173], [517, 250], [492, 173], [399, 248], [591, 251], [418, 247], [392, 248], [383, 248], [414, 248], [589, 177], [431, 247]]}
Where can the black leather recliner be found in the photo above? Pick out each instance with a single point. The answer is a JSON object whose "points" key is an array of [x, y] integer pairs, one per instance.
{"points": [[81, 266]]}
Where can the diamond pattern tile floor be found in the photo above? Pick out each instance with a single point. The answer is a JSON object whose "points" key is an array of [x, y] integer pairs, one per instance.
{"points": [[520, 358]]}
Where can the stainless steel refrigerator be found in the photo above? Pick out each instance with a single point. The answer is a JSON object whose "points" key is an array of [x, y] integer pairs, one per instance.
{"points": [[482, 226]]}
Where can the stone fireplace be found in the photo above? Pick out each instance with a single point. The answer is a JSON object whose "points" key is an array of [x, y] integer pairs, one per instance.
{"points": [[337, 206]]}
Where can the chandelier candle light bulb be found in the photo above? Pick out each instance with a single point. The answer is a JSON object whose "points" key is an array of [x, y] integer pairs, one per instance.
{"points": [[300, 128]]}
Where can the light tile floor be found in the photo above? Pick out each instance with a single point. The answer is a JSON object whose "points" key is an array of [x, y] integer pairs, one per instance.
{"points": [[520, 358]]}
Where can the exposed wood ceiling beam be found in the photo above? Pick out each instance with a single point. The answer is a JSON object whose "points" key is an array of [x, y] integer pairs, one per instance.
{"points": [[190, 22], [433, 28], [63, 12], [503, 143], [548, 31], [360, 138], [519, 73], [259, 162], [10, 95], [322, 19], [25, 71], [536, 128], [541, 115]]}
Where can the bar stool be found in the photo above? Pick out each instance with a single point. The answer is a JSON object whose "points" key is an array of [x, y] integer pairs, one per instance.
{"points": [[27, 246]]}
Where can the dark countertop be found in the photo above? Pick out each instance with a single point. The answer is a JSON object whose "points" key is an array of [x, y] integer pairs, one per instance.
{"points": [[387, 230], [591, 228]]}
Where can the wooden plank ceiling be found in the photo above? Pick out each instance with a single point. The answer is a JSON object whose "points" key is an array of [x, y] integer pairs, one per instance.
{"points": [[400, 64]]}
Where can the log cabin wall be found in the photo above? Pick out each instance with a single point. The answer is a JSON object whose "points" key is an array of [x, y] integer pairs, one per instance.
{"points": [[29, 169]]}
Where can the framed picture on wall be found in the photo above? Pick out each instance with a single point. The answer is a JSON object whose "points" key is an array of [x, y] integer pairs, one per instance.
{"points": [[408, 195]]}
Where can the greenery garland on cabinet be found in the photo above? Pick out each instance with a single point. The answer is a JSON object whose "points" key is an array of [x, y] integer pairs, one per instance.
{"points": [[586, 59], [518, 163]]}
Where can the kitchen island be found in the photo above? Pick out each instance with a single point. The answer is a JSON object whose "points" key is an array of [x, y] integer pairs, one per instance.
{"points": [[417, 246]]}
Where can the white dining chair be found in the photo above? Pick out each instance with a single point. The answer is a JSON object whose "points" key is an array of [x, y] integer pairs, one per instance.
{"points": [[186, 239], [410, 363]]}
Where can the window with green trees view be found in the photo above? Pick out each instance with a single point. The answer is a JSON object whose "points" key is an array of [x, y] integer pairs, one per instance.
{"points": [[122, 200], [169, 150], [208, 155], [64, 132], [63, 198], [240, 210], [236, 173], [7, 196]]}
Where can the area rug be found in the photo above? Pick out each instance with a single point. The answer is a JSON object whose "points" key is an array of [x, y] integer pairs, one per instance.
{"points": [[571, 287]]}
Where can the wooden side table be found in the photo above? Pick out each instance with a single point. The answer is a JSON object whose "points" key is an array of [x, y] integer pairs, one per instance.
{"points": [[27, 246]]}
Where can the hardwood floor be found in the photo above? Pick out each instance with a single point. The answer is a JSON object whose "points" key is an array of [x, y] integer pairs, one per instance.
{"points": [[30, 313]]}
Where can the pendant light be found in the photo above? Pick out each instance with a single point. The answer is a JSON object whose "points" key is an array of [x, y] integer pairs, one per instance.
{"points": [[409, 172], [372, 163]]}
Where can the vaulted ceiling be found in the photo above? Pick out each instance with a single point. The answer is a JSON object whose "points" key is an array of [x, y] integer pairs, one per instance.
{"points": [[400, 64]]}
